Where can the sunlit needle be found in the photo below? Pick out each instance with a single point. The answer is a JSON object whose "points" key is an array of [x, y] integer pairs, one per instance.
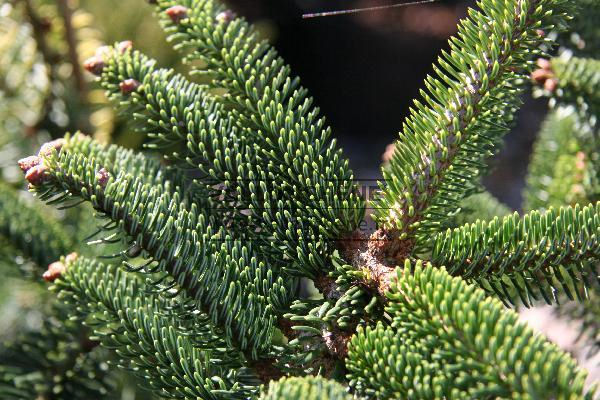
{"points": [[357, 10]]}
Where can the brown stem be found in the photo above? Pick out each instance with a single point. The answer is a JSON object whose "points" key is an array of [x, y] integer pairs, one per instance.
{"points": [[40, 28], [67, 16]]}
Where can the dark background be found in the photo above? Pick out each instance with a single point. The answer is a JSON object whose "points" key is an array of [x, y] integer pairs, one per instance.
{"points": [[364, 70]]}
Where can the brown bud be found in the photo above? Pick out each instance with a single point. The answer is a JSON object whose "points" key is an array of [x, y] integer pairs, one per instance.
{"points": [[129, 85], [541, 75], [540, 32], [94, 65], [55, 270], [544, 64], [177, 13], [36, 175], [71, 257], [28, 162], [225, 16], [48, 148], [551, 84], [124, 46], [389, 152], [102, 176]]}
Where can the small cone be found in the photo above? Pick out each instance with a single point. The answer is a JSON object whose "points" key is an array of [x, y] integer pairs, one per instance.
{"points": [[94, 65], [124, 46], [129, 85], [177, 13], [225, 17], [102, 177]]}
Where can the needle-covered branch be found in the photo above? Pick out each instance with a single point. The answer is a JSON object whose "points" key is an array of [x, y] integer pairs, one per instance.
{"points": [[462, 118], [296, 161], [132, 322], [448, 340], [193, 252], [538, 255]]}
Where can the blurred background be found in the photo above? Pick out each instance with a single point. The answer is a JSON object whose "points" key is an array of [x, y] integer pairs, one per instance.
{"points": [[363, 70]]}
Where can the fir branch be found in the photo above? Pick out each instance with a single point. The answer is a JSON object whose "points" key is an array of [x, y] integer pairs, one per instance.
{"points": [[219, 274], [300, 164], [539, 254], [132, 323], [254, 193], [465, 114], [448, 340], [117, 160]]}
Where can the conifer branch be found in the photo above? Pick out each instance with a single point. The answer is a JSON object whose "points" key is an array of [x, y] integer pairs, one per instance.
{"points": [[133, 323], [219, 274], [448, 340], [538, 254], [466, 112], [304, 167]]}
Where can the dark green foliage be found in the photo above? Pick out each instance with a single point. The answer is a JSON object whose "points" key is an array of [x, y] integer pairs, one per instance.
{"points": [[295, 182], [308, 388], [216, 272], [32, 231], [125, 318], [56, 362], [448, 340], [541, 254]]}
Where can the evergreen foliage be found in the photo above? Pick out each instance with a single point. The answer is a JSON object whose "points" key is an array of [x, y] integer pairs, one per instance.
{"points": [[464, 116], [242, 197], [540, 254], [125, 318], [29, 231], [448, 340]]}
